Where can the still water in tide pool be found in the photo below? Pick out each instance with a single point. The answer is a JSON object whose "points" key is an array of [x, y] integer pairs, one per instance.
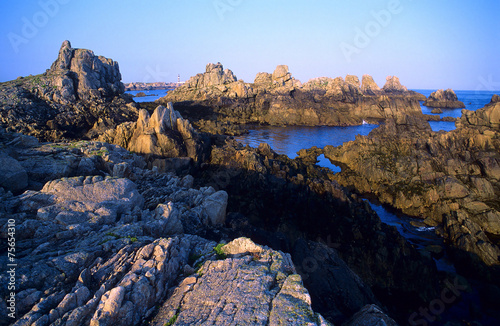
{"points": [[151, 95], [291, 139]]}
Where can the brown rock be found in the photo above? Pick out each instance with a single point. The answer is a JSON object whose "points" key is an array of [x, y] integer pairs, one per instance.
{"points": [[369, 86], [393, 85], [444, 99], [352, 80]]}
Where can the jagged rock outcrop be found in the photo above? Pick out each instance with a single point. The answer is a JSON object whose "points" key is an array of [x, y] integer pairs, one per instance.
{"points": [[393, 85], [79, 96], [444, 99], [78, 74], [279, 99], [495, 99], [488, 117], [214, 75], [451, 179], [282, 77], [353, 80], [164, 134], [368, 86]]}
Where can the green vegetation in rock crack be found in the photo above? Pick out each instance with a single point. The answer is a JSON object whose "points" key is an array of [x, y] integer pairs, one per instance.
{"points": [[172, 320], [132, 239], [101, 152], [218, 251], [111, 234], [36, 80], [197, 268]]}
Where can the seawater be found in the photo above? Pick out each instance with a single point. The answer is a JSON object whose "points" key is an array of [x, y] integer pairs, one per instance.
{"points": [[289, 140], [151, 95], [473, 100]]}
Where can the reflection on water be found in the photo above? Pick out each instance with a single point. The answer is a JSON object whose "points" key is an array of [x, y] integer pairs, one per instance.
{"points": [[324, 162], [151, 95], [420, 237], [289, 140], [442, 125]]}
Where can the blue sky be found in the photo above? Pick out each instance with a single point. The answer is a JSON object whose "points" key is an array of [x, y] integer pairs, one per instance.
{"points": [[427, 44]]}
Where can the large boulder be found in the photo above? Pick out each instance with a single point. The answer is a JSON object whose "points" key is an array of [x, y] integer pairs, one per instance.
{"points": [[13, 176], [444, 99], [91, 200]]}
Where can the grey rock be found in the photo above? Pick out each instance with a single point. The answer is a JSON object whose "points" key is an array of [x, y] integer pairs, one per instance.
{"points": [[215, 206], [371, 315], [119, 195], [254, 290], [13, 176], [82, 75]]}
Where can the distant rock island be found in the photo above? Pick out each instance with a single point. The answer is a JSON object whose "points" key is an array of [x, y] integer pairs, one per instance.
{"points": [[446, 99]]}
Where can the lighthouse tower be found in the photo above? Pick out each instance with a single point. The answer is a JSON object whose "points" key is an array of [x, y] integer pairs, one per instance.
{"points": [[178, 78]]}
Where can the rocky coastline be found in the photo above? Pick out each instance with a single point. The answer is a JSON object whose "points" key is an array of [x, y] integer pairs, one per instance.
{"points": [[138, 86], [130, 216], [217, 97]]}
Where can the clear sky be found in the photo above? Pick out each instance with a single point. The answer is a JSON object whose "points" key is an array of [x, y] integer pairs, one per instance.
{"points": [[428, 44]]}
